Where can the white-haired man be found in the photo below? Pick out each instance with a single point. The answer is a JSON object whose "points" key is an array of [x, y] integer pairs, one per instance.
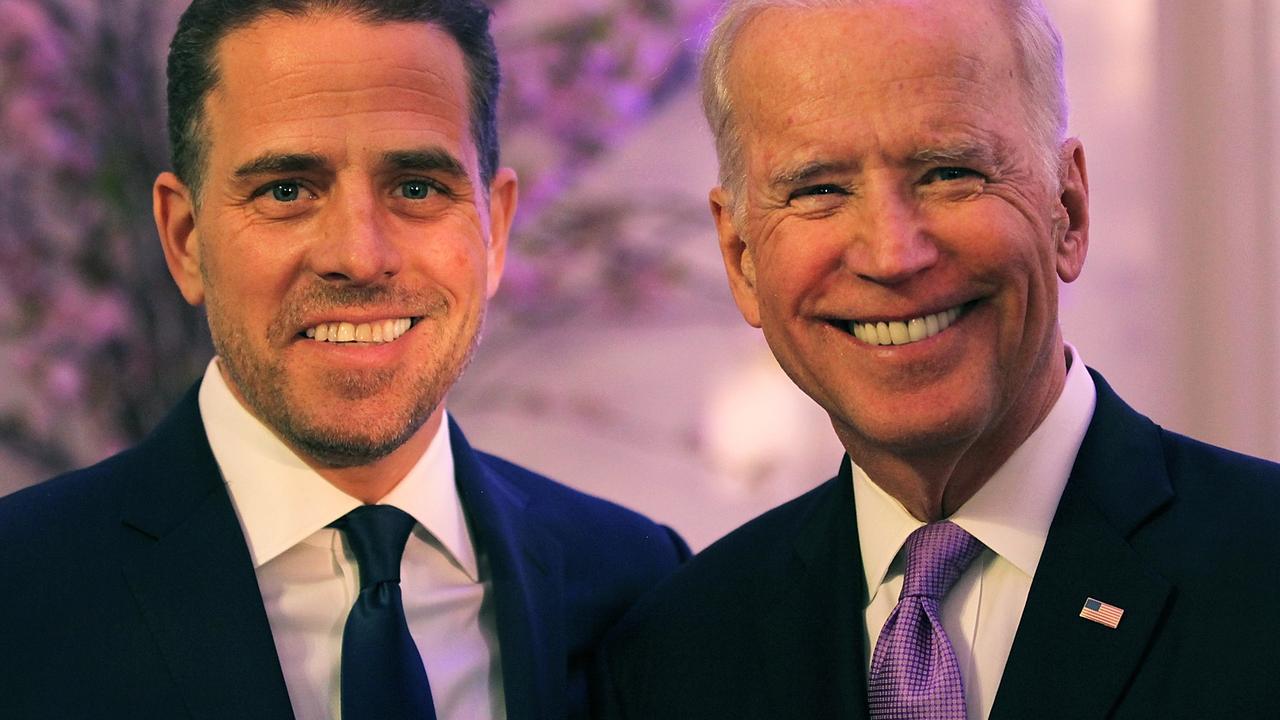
{"points": [[1005, 538]]}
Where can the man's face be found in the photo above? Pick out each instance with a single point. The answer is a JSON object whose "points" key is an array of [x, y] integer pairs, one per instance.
{"points": [[891, 185], [343, 244]]}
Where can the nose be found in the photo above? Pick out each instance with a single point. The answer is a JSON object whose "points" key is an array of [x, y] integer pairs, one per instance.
{"points": [[356, 245], [890, 245]]}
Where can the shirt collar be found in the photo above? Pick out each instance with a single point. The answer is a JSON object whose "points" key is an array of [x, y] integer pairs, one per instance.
{"points": [[1012, 511], [281, 501]]}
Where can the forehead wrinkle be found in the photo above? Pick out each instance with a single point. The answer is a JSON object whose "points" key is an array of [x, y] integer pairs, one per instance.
{"points": [[308, 131], [398, 77], [300, 77], [940, 100], [406, 104], [313, 117], [959, 62]]}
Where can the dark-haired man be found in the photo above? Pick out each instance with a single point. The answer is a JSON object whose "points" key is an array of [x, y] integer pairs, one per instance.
{"points": [[898, 204], [308, 535]]}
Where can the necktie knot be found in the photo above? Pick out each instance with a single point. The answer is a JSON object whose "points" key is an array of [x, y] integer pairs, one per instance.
{"points": [[937, 554], [914, 672], [382, 672], [377, 535]]}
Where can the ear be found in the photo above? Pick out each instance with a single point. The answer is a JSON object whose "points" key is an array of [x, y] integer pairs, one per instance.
{"points": [[503, 198], [738, 262], [173, 206], [1072, 231]]}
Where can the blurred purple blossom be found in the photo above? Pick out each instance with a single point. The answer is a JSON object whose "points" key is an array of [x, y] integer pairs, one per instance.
{"points": [[99, 342], [580, 81], [88, 322]]}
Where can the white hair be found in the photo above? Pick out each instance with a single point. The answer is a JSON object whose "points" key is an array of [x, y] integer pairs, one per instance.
{"points": [[1035, 39]]}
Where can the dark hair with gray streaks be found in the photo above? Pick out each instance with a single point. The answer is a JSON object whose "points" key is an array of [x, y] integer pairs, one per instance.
{"points": [[193, 70]]}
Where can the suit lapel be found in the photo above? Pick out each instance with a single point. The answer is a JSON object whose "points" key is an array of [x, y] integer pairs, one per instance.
{"points": [[186, 562], [526, 574], [1059, 660], [813, 615]]}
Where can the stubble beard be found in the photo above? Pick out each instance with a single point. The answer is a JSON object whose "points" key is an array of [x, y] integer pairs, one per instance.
{"points": [[265, 386]]}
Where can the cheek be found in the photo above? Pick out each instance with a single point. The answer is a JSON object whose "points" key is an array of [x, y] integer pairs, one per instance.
{"points": [[241, 300], [459, 264], [799, 258], [1023, 264], [993, 240], [244, 276], [467, 273]]}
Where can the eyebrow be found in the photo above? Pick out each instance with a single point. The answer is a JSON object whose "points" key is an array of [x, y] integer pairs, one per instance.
{"points": [[804, 172], [431, 159], [270, 163], [425, 160], [970, 153], [982, 154]]}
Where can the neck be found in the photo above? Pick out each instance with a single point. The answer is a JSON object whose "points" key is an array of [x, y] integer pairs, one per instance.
{"points": [[933, 479]]}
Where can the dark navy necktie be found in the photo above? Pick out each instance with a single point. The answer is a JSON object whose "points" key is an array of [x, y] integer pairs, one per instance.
{"points": [[914, 671], [382, 673]]}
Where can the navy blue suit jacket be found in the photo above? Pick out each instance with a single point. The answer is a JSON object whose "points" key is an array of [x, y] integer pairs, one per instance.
{"points": [[127, 590], [767, 623]]}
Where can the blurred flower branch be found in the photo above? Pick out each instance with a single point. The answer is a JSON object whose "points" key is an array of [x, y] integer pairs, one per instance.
{"points": [[95, 342]]}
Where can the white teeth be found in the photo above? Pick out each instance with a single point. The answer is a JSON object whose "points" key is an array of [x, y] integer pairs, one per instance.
{"points": [[931, 326], [898, 332], [916, 329], [379, 331]]}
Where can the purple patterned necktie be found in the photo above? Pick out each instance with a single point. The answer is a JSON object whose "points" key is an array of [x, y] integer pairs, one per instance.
{"points": [[914, 671]]}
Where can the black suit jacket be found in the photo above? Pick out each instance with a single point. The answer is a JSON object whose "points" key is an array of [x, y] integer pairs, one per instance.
{"points": [[127, 591], [767, 623]]}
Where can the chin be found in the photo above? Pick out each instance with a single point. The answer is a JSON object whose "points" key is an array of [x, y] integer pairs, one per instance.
{"points": [[336, 431], [335, 445], [932, 428], [345, 452]]}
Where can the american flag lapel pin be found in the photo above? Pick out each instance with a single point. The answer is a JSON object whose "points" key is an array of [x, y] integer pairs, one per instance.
{"points": [[1101, 613]]}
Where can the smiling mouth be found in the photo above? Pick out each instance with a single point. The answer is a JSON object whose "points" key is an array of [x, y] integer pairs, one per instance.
{"points": [[905, 332], [376, 332]]}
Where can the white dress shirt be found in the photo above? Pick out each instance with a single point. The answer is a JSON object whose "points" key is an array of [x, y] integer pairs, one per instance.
{"points": [[309, 579], [1010, 514]]}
